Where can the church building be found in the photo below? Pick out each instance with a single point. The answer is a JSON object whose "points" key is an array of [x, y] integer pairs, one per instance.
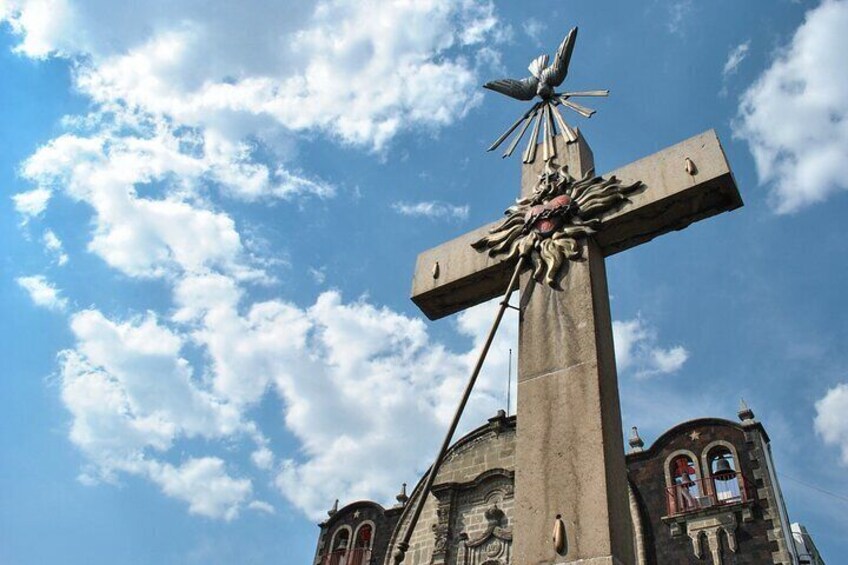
{"points": [[705, 492]]}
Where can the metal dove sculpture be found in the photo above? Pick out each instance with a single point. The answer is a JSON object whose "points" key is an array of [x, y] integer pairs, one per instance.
{"points": [[542, 82]]}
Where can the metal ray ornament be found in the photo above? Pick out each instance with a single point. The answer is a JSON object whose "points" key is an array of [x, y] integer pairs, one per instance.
{"points": [[548, 226], [545, 114]]}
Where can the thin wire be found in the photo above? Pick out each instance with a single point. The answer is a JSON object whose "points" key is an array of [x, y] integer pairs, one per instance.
{"points": [[841, 497]]}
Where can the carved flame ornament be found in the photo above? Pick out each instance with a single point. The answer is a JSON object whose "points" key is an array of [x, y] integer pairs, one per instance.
{"points": [[550, 224]]}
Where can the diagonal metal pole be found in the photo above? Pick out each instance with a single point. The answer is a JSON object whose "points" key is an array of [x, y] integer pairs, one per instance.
{"points": [[403, 546], [509, 382]]}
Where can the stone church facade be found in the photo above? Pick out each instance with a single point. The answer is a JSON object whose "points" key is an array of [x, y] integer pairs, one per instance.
{"points": [[705, 492]]}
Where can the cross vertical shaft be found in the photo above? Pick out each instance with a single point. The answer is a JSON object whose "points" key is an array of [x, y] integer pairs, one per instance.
{"points": [[569, 449]]}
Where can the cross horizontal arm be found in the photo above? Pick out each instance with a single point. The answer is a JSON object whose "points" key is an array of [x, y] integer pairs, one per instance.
{"points": [[453, 276], [677, 193]]}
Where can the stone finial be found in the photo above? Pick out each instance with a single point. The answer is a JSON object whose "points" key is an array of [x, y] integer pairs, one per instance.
{"points": [[401, 496], [334, 509], [745, 413], [498, 422], [636, 443]]}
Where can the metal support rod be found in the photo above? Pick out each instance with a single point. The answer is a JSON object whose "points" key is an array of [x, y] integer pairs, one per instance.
{"points": [[512, 128], [509, 382], [530, 152], [403, 545], [517, 138]]}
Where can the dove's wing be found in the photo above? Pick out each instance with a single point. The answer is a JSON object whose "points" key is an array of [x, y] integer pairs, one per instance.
{"points": [[524, 89], [538, 65], [559, 68]]}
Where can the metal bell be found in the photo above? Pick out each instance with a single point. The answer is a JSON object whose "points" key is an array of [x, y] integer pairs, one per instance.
{"points": [[723, 470]]}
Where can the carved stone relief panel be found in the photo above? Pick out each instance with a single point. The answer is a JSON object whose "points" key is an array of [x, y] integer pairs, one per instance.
{"points": [[441, 528], [480, 525], [711, 530]]}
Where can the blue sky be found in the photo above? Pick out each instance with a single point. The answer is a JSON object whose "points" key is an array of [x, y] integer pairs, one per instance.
{"points": [[211, 216]]}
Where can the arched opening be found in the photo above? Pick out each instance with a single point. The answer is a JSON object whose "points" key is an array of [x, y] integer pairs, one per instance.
{"points": [[339, 547], [685, 490], [363, 537], [361, 552], [724, 474]]}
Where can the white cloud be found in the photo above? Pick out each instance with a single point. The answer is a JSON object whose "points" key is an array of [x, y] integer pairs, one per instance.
{"points": [[40, 22], [261, 506], [144, 237], [795, 116], [359, 383], [188, 101], [669, 360], [263, 458], [31, 203], [131, 396], [230, 69], [246, 352], [188, 98], [391, 388], [43, 293], [831, 422], [432, 209], [129, 392], [412, 387], [205, 485], [637, 352], [735, 57], [54, 246]]}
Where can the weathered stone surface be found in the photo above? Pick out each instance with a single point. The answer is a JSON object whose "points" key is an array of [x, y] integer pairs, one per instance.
{"points": [[672, 200], [466, 487], [466, 278], [577, 155], [570, 451]]}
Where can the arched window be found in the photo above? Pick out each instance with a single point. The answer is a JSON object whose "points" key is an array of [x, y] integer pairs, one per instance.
{"points": [[363, 537], [342, 540], [724, 474], [339, 547], [361, 553], [685, 489]]}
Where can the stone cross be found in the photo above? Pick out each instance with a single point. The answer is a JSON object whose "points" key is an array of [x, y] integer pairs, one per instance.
{"points": [[570, 453]]}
